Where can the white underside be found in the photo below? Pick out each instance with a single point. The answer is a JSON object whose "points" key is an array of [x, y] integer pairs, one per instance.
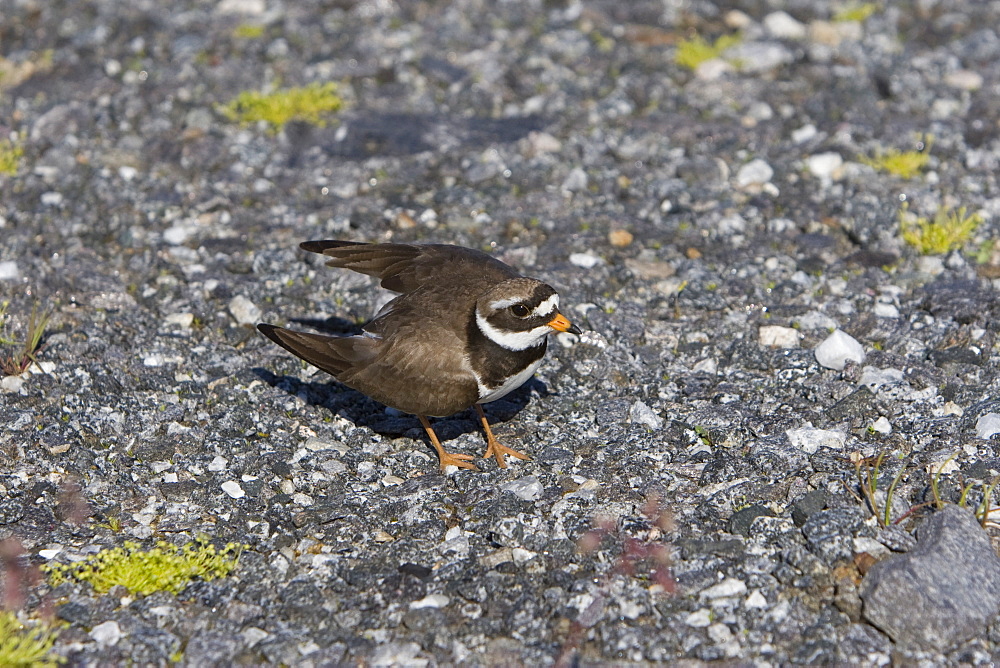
{"points": [[487, 394]]}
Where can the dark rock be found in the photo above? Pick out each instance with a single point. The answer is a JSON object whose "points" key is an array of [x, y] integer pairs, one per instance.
{"points": [[956, 356], [613, 411], [940, 593], [807, 504], [691, 547], [741, 520], [74, 613], [858, 405], [212, 648], [555, 456], [962, 301], [416, 570]]}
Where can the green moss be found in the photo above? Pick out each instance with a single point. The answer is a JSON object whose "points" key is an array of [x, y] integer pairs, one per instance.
{"points": [[249, 31], [855, 12], [10, 157], [693, 52], [904, 164], [20, 646], [950, 229], [310, 104], [163, 568]]}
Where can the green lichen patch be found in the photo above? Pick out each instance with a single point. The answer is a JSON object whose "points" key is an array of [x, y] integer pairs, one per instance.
{"points": [[23, 646], [249, 31], [310, 104], [693, 52], [856, 12], [10, 157], [162, 568], [904, 164]]}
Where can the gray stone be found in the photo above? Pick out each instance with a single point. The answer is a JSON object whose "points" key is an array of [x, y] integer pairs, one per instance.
{"points": [[940, 593]]}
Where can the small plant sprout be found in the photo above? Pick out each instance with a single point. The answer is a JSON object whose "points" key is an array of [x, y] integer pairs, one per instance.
{"points": [[24, 356], [22, 646], [693, 52], [950, 229], [867, 470]]}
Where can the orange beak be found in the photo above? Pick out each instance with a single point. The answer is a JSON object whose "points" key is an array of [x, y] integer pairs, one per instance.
{"points": [[561, 323]]}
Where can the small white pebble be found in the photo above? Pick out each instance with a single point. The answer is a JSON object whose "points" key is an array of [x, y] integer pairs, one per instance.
{"points": [[804, 134], [825, 165], [218, 464], [576, 181], [783, 26], [640, 413], [49, 554], [876, 378], [988, 425], [811, 439], [528, 488], [755, 172], [964, 79], [837, 349], [9, 271], [107, 634], [585, 260], [233, 489], [775, 336], [886, 310], [51, 198], [882, 426], [699, 619], [184, 320], [430, 601], [726, 589], [244, 311]]}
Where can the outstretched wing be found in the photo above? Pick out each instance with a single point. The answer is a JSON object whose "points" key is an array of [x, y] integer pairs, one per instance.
{"points": [[406, 267], [335, 355]]}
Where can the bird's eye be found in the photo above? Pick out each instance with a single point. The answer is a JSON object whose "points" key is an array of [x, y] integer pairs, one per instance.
{"points": [[520, 310]]}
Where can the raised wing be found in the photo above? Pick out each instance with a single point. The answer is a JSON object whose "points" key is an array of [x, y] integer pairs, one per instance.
{"points": [[406, 267]]}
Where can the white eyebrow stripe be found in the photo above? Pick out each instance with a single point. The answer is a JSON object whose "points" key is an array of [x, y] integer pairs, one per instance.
{"points": [[550, 305], [501, 304]]}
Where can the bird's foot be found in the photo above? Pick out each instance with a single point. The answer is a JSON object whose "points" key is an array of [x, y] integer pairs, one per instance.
{"points": [[454, 459], [497, 449]]}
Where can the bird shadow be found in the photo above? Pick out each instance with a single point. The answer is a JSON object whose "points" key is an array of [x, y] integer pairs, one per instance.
{"points": [[364, 411]]}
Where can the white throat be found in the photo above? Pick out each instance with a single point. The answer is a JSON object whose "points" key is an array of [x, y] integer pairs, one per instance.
{"points": [[512, 340]]}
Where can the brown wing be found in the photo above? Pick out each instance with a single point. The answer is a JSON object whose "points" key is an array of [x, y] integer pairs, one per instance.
{"points": [[406, 267], [423, 377], [335, 355]]}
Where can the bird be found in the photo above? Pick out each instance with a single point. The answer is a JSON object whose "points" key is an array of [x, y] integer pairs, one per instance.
{"points": [[465, 329]]}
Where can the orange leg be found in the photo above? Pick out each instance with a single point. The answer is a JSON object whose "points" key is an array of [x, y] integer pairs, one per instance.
{"points": [[447, 458], [495, 447]]}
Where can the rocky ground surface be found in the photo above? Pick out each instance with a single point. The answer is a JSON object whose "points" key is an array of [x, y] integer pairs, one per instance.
{"points": [[701, 487]]}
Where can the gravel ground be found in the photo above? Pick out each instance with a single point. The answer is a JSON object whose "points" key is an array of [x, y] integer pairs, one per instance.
{"points": [[693, 492]]}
